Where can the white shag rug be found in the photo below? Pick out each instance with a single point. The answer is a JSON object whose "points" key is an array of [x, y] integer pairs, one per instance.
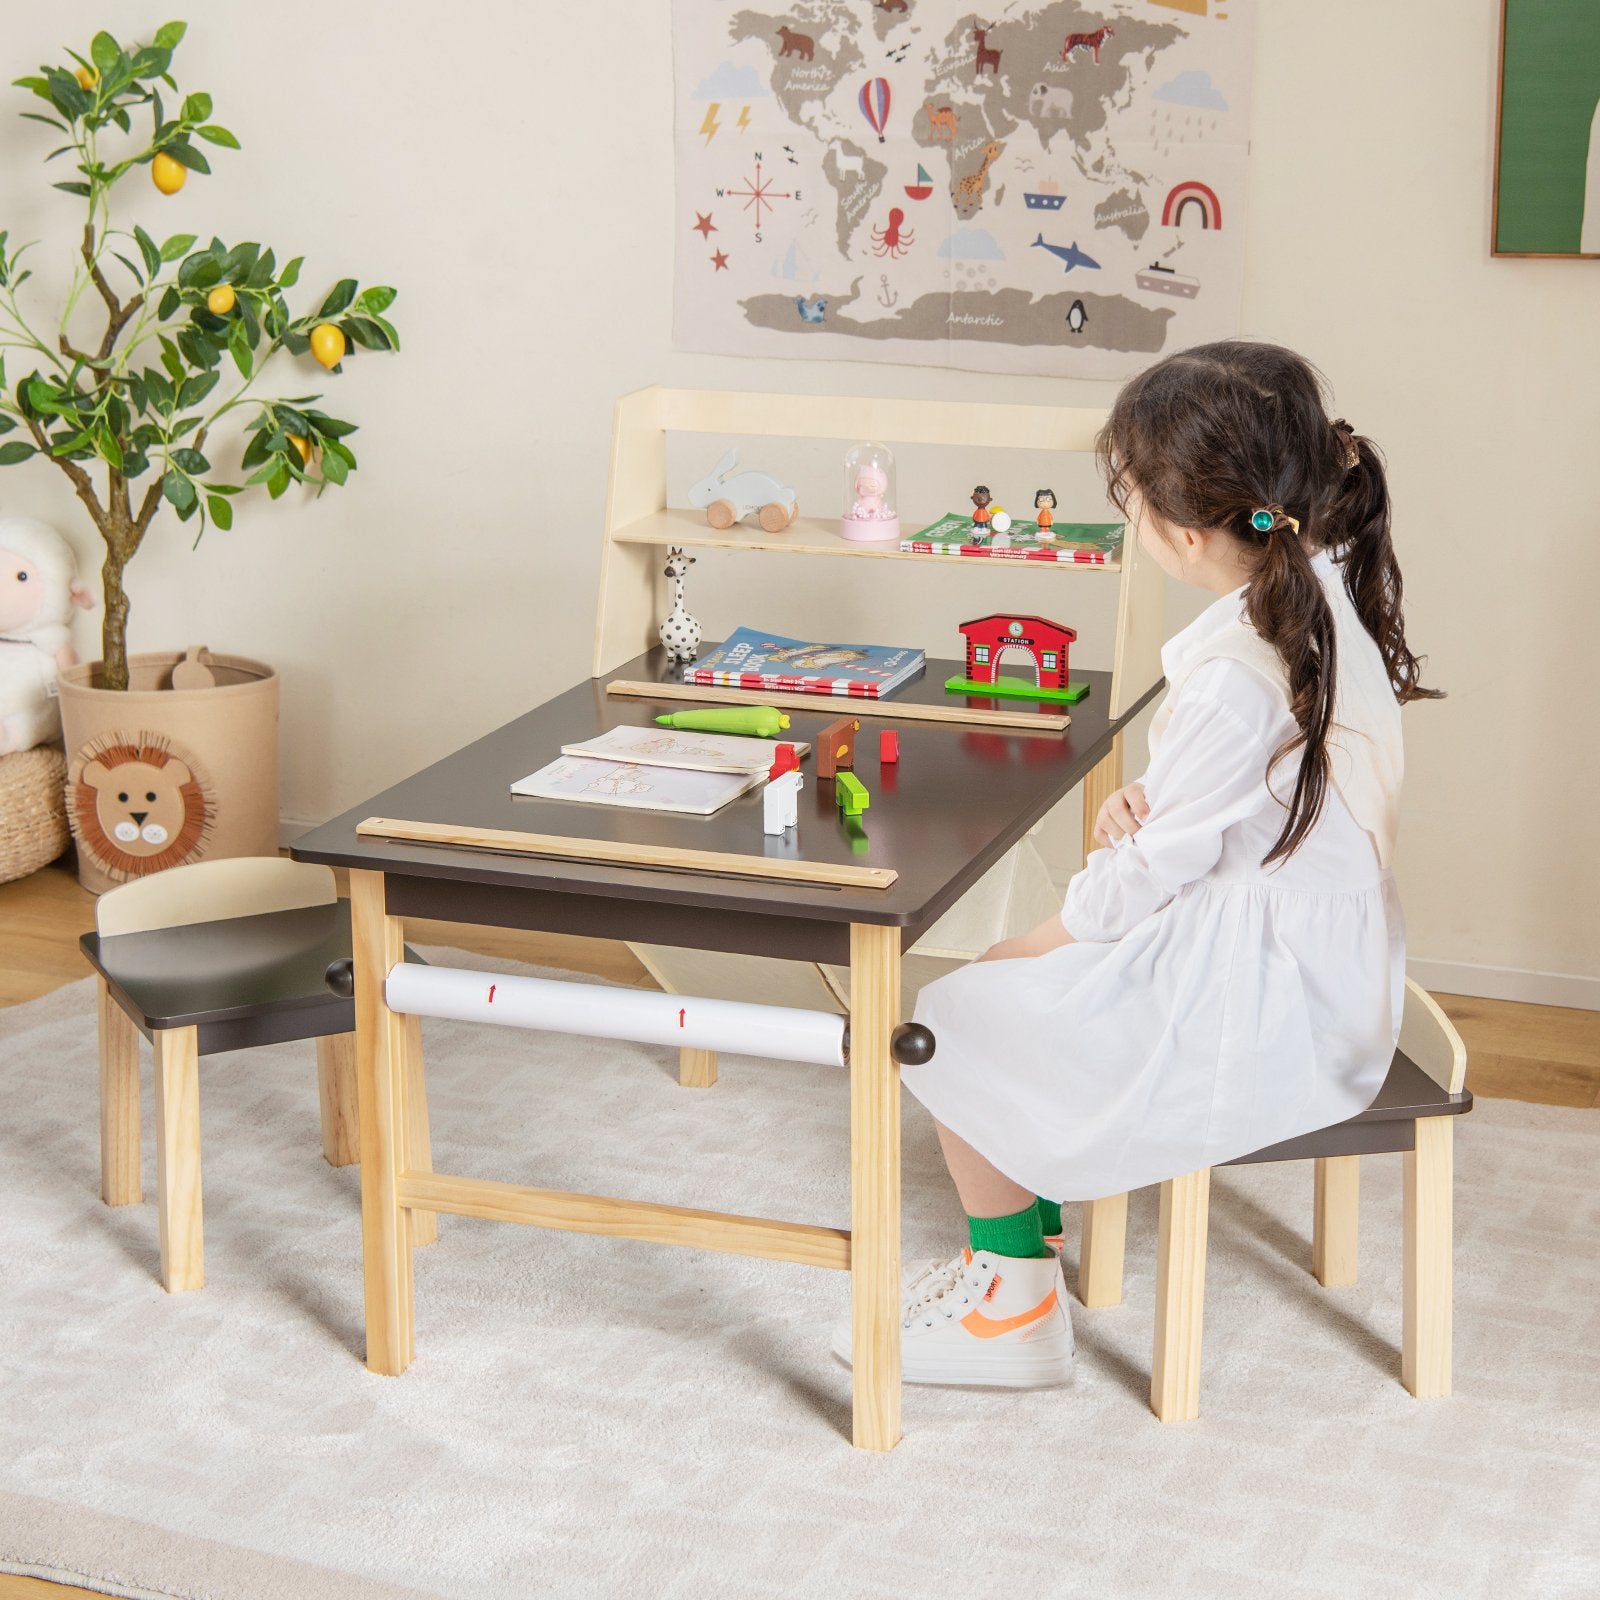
{"points": [[591, 1417]]}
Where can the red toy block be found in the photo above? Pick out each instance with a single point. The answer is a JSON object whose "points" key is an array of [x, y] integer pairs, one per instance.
{"points": [[888, 745], [836, 746]]}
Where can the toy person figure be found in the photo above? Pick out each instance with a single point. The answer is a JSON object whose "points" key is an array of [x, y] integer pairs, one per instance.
{"points": [[1044, 503], [980, 514]]}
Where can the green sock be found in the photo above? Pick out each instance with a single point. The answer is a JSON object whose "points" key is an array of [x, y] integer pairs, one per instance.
{"points": [[1018, 1235], [1049, 1216]]}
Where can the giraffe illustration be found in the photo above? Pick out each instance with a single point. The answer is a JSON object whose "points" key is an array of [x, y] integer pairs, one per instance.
{"points": [[968, 191]]}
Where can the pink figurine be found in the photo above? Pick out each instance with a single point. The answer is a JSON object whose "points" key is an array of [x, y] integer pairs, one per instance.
{"points": [[869, 494]]}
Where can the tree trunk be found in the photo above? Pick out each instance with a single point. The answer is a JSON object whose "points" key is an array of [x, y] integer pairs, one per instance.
{"points": [[119, 537]]}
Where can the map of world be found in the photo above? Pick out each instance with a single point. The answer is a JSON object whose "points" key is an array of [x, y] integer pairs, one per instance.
{"points": [[1043, 188]]}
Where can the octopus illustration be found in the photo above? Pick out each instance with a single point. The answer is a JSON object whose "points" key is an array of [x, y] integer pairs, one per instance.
{"points": [[894, 240]]}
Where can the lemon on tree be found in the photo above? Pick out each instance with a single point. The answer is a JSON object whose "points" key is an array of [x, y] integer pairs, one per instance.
{"points": [[168, 175], [220, 301], [87, 78], [303, 445], [327, 344]]}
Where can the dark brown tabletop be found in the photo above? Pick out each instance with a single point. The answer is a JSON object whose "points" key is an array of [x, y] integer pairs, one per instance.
{"points": [[956, 800]]}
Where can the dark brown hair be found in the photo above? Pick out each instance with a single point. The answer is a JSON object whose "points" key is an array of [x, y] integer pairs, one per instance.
{"points": [[1213, 434]]}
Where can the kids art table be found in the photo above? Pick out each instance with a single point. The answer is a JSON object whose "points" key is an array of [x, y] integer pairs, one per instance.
{"points": [[956, 800]]}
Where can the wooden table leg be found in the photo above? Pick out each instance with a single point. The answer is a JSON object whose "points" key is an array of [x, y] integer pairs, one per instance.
{"points": [[1428, 1289], [1102, 1243], [336, 1094], [177, 1075], [1336, 1219], [382, 1083], [419, 1144], [874, 1186], [119, 1104], [697, 1069]]}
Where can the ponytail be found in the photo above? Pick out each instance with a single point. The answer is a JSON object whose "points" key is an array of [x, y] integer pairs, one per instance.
{"points": [[1286, 605], [1358, 525]]}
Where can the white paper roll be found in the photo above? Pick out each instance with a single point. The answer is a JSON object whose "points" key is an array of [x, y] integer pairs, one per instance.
{"points": [[782, 1033]]}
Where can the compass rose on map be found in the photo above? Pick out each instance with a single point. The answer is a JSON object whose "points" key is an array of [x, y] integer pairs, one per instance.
{"points": [[758, 193]]}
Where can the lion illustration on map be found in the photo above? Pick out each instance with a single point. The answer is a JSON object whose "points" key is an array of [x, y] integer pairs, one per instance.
{"points": [[137, 807]]}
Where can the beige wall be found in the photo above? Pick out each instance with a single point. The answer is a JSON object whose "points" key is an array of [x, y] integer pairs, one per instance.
{"points": [[514, 178]]}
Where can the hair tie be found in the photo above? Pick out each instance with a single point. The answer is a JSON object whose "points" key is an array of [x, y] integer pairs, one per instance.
{"points": [[1269, 519], [1347, 442]]}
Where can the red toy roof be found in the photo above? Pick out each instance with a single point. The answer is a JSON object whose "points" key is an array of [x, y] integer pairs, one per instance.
{"points": [[1012, 616]]}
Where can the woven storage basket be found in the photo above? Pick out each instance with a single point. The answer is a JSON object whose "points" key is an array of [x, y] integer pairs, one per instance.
{"points": [[33, 810]]}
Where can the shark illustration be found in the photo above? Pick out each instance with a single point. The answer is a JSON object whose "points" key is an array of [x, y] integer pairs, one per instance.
{"points": [[1070, 254]]}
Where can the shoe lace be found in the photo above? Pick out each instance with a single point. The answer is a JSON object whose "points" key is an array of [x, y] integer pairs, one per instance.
{"points": [[937, 1280]]}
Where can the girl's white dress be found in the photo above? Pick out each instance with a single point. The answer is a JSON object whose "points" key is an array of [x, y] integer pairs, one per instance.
{"points": [[1210, 1006]]}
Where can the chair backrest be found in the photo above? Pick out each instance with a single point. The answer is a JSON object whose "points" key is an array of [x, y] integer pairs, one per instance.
{"points": [[210, 891], [1429, 1037]]}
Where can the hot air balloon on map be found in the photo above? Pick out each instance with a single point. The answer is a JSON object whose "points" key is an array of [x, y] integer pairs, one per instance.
{"points": [[874, 103]]}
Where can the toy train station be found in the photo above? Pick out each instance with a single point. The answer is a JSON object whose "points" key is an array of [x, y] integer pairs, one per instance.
{"points": [[1045, 643]]}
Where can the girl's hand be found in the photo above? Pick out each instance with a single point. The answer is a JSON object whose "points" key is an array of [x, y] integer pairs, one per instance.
{"points": [[1122, 815]]}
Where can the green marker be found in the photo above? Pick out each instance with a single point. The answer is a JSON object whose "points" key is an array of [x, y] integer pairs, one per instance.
{"points": [[763, 721]]}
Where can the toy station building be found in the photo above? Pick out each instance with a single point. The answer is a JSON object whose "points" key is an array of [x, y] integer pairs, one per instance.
{"points": [[1046, 642]]}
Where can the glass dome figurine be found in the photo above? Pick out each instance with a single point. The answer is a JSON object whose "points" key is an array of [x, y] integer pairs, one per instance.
{"points": [[869, 494]]}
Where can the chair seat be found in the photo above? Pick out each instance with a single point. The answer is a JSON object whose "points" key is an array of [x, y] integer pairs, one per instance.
{"points": [[1388, 1124], [240, 982]]}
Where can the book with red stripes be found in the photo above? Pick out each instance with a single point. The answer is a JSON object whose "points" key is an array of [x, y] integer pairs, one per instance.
{"points": [[768, 662]]}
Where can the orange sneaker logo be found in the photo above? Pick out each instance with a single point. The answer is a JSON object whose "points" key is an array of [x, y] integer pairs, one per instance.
{"points": [[986, 1327]]}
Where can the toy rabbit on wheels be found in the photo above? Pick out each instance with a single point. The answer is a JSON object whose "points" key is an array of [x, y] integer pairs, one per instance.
{"points": [[728, 497], [680, 633]]}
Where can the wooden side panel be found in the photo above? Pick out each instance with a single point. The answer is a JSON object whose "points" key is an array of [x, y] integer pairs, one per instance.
{"points": [[626, 612], [1429, 1037], [1141, 626]]}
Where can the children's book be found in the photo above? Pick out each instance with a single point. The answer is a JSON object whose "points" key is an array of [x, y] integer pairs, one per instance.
{"points": [[647, 788], [751, 659], [1086, 543], [679, 747]]}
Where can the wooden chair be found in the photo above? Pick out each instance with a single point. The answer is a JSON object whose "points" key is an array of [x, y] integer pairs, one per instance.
{"points": [[220, 955], [1413, 1113]]}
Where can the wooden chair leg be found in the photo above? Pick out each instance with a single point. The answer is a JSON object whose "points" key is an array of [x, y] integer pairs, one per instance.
{"points": [[119, 1104], [419, 1144], [336, 1090], [697, 1069], [177, 1075], [1425, 1346], [1336, 1219], [1102, 1239], [1180, 1296]]}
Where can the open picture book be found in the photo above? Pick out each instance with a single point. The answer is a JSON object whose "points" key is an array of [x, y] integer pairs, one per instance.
{"points": [[655, 769]]}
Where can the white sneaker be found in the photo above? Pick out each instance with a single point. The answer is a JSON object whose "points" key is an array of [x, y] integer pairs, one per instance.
{"points": [[998, 1321]]}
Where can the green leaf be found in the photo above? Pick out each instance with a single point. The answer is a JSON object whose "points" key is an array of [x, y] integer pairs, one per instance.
{"points": [[279, 481], [7, 424], [72, 188], [198, 351], [170, 301], [255, 452], [239, 349], [339, 297], [290, 275], [149, 249], [334, 467], [365, 333], [179, 244], [377, 299], [179, 491], [195, 389], [110, 450], [261, 273], [330, 427], [170, 34], [137, 274], [191, 461], [239, 262], [106, 52], [182, 151], [196, 107], [215, 135], [221, 511], [39, 116], [151, 62], [200, 271], [11, 454]]}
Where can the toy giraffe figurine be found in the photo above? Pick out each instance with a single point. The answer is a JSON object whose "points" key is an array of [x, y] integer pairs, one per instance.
{"points": [[680, 633]]}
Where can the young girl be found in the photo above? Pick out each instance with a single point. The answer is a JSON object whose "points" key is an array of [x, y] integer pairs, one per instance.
{"points": [[1230, 971]]}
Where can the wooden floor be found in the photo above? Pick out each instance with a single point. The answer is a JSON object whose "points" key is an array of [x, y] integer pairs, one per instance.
{"points": [[1546, 1054]]}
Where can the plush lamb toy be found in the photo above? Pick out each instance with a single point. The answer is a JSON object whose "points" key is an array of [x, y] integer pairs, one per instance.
{"points": [[38, 589]]}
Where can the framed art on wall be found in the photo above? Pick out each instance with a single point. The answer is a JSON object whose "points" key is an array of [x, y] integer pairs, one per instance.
{"points": [[1547, 145]]}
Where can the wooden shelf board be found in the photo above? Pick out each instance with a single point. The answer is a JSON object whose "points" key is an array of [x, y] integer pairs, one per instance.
{"points": [[814, 536]]}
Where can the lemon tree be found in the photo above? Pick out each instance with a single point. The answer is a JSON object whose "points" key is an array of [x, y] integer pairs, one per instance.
{"points": [[189, 328]]}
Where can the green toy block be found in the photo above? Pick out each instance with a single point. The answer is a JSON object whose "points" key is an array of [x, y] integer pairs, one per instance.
{"points": [[1016, 689], [851, 794]]}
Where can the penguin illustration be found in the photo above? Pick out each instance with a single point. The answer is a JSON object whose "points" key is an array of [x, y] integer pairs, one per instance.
{"points": [[1077, 317]]}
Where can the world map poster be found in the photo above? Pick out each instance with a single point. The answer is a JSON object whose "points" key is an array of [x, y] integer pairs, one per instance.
{"points": [[1038, 188]]}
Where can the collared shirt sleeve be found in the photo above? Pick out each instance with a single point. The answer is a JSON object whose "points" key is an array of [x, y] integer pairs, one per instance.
{"points": [[1208, 773]]}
